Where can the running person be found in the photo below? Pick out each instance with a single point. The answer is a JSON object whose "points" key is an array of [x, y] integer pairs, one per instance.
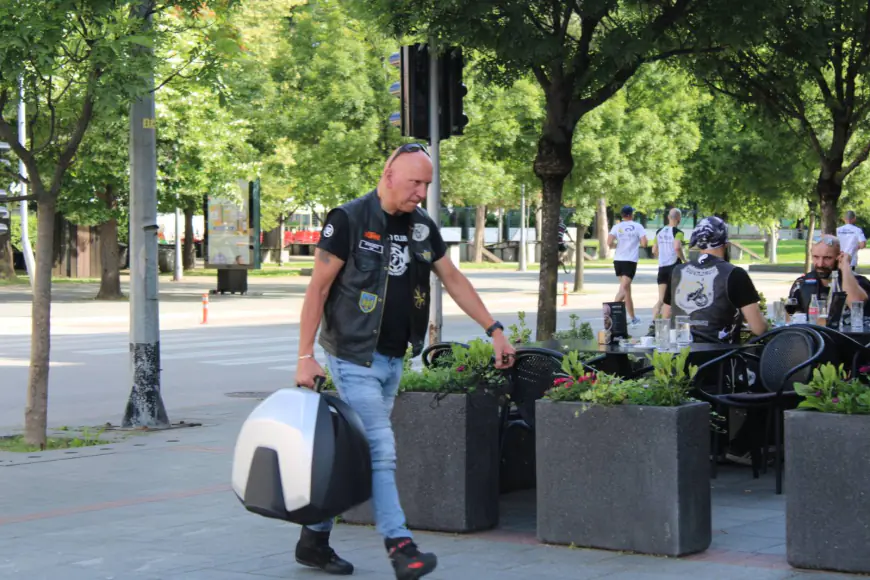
{"points": [[630, 235], [851, 237], [668, 247]]}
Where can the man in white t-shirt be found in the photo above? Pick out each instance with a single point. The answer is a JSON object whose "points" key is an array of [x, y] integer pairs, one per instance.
{"points": [[668, 247], [851, 237], [626, 236]]}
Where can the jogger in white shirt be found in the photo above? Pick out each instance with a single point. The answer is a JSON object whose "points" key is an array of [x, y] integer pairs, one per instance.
{"points": [[630, 235], [851, 237]]}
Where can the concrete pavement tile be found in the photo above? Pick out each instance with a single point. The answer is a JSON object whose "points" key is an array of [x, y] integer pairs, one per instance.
{"points": [[743, 543], [774, 550], [211, 574], [748, 514], [773, 528]]}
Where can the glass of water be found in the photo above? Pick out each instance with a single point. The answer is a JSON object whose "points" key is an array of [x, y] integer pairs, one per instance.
{"points": [[857, 311], [663, 333], [779, 313], [684, 331]]}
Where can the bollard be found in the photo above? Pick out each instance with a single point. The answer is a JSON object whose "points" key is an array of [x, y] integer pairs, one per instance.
{"points": [[564, 294], [205, 308]]}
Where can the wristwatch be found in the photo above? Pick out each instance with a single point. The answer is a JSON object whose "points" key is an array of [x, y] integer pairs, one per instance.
{"points": [[495, 326]]}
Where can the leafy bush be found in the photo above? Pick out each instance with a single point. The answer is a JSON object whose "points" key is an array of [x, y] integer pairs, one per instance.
{"points": [[519, 333], [831, 390], [668, 387], [582, 331], [463, 370]]}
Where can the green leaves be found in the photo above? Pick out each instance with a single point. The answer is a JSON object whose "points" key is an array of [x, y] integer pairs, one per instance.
{"points": [[831, 390]]}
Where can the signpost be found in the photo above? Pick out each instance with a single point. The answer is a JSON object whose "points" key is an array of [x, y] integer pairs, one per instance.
{"points": [[232, 236]]}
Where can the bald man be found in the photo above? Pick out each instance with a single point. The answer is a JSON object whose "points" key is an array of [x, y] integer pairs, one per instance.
{"points": [[370, 287], [827, 255]]}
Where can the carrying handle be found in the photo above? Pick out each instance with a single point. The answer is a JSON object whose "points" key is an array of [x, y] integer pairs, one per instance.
{"points": [[319, 382]]}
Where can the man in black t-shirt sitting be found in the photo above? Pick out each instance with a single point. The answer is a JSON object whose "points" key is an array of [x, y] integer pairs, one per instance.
{"points": [[369, 291], [827, 256], [716, 295]]}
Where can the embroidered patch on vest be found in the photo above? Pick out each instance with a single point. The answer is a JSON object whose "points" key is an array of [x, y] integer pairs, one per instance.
{"points": [[421, 232], [419, 297], [371, 247], [367, 301]]}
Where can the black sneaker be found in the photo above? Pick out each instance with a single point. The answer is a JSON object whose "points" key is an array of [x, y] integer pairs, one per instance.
{"points": [[408, 562], [313, 551]]}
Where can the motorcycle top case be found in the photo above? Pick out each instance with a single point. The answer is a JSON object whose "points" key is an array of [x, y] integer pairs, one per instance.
{"points": [[302, 457]]}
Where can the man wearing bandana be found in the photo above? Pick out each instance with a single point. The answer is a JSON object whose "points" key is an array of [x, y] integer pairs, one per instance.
{"points": [[716, 295], [827, 255]]}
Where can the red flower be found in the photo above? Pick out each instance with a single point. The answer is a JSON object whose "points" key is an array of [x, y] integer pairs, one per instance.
{"points": [[567, 381]]}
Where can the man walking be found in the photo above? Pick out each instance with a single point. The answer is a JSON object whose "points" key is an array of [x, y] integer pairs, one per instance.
{"points": [[626, 236], [668, 247], [851, 237], [370, 287]]}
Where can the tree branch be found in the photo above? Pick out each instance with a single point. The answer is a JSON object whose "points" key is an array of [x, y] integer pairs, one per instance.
{"points": [[859, 159], [10, 136]]}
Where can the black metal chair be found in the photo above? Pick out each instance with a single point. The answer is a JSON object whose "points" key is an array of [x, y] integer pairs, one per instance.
{"points": [[840, 348], [433, 352], [788, 356]]}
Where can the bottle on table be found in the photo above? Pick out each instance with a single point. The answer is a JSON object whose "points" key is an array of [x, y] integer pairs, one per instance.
{"points": [[835, 289], [813, 310]]}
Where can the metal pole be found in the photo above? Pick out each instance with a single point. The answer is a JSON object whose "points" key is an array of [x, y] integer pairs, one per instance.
{"points": [[178, 265], [22, 171], [433, 198], [145, 405], [522, 252]]}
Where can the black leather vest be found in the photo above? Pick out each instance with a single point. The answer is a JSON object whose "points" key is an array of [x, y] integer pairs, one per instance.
{"points": [[699, 290], [352, 315]]}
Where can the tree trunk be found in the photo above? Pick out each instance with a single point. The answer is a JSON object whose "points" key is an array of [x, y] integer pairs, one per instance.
{"points": [[36, 407], [601, 221], [479, 227], [188, 258], [110, 274], [829, 192], [772, 236], [580, 258], [281, 239], [7, 266], [110, 261], [811, 231], [500, 237]]}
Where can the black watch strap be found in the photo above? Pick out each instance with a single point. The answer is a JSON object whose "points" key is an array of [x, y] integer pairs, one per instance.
{"points": [[495, 326]]}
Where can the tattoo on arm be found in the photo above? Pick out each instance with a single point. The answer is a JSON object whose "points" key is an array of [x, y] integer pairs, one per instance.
{"points": [[323, 256]]}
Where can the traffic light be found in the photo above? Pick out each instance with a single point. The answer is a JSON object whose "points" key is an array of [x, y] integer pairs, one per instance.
{"points": [[452, 94], [412, 91]]}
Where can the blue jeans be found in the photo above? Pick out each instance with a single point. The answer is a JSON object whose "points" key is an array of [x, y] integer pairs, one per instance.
{"points": [[371, 391]]}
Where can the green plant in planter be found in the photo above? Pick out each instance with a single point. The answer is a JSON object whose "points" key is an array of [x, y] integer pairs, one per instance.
{"points": [[668, 387], [519, 333], [582, 331], [831, 390], [464, 370]]}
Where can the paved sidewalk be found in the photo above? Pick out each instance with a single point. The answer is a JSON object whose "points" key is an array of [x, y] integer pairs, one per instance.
{"points": [[159, 506]]}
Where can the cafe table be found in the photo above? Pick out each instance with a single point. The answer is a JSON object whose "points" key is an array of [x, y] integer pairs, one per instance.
{"points": [[625, 360]]}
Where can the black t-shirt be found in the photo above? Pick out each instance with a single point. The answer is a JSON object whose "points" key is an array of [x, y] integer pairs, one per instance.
{"points": [[821, 290], [741, 290], [396, 322]]}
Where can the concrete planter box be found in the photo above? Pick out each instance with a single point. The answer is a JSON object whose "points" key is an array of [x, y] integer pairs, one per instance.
{"points": [[447, 463], [626, 478], [827, 485]]}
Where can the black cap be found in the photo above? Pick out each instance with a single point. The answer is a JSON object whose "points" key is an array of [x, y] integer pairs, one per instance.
{"points": [[627, 210]]}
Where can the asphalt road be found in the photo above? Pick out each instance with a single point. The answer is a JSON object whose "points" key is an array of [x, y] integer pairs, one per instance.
{"points": [[249, 344]]}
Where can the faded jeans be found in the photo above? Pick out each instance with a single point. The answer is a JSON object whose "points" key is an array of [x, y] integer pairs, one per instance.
{"points": [[371, 391]]}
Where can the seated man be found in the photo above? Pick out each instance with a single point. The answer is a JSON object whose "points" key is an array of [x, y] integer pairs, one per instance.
{"points": [[827, 256], [716, 295]]}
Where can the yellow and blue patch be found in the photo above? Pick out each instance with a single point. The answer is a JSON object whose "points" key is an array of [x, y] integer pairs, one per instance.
{"points": [[367, 301]]}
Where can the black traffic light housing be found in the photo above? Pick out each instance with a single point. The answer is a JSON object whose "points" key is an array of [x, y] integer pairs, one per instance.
{"points": [[413, 92]]}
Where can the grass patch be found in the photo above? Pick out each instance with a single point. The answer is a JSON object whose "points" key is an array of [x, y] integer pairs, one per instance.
{"points": [[16, 281], [86, 438], [269, 271]]}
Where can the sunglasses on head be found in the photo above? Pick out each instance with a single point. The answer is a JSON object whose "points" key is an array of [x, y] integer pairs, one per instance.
{"points": [[408, 148]]}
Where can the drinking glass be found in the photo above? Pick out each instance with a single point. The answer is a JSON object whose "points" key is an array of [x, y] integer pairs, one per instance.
{"points": [[663, 333], [684, 331], [857, 311], [779, 313], [822, 319]]}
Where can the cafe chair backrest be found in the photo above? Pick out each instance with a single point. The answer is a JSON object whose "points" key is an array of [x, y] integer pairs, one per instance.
{"points": [[784, 353], [440, 350], [533, 375]]}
